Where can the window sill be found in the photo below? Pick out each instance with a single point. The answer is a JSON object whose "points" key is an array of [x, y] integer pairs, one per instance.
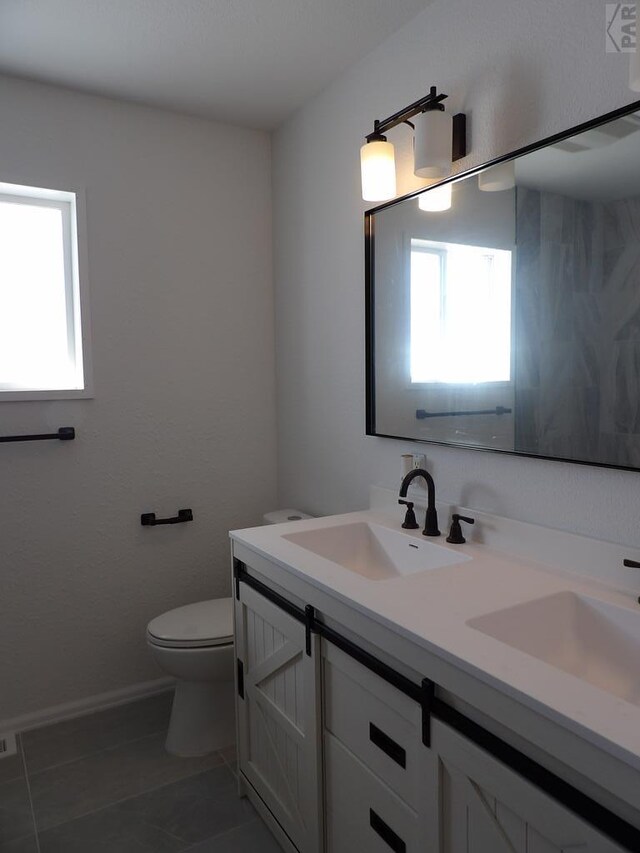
{"points": [[64, 394]]}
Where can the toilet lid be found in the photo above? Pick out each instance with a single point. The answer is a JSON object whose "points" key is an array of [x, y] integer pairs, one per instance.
{"points": [[205, 623]]}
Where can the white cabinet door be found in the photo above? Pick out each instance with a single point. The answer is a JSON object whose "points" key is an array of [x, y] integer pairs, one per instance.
{"points": [[485, 807], [279, 716]]}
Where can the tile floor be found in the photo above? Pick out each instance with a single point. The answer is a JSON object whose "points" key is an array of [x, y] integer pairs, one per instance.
{"points": [[104, 784]]}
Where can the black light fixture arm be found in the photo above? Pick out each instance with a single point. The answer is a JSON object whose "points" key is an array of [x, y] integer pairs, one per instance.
{"points": [[429, 101]]}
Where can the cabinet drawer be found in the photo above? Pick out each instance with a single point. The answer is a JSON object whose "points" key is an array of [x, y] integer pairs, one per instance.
{"points": [[362, 812], [376, 722]]}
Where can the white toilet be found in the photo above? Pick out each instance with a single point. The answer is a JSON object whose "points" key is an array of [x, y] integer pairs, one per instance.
{"points": [[194, 644]]}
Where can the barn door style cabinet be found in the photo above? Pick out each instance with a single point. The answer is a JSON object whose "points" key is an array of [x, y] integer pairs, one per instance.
{"points": [[278, 716], [485, 806], [342, 752]]}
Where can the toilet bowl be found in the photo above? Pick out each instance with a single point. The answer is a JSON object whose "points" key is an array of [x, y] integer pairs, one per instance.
{"points": [[194, 644]]}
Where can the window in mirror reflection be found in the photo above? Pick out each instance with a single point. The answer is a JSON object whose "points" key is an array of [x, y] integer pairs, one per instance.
{"points": [[460, 313]]}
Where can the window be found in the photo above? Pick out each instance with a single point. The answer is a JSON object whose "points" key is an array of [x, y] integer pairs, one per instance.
{"points": [[460, 313], [41, 343]]}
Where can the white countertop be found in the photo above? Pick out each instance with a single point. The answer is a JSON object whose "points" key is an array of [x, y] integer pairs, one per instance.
{"points": [[431, 609]]}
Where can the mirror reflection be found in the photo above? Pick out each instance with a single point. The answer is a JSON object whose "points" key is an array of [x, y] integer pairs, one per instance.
{"points": [[506, 305]]}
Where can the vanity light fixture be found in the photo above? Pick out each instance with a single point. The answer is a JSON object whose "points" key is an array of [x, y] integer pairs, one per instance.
{"points": [[439, 139], [432, 151], [498, 178], [378, 167], [436, 200]]}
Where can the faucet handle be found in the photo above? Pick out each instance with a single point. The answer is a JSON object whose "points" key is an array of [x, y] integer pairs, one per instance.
{"points": [[409, 522], [455, 536]]}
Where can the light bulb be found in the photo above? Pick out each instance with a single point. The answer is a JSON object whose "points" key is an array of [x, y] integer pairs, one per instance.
{"points": [[378, 168], [432, 144], [436, 199]]}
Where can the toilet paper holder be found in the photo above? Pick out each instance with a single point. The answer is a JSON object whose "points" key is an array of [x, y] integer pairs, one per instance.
{"points": [[148, 519]]}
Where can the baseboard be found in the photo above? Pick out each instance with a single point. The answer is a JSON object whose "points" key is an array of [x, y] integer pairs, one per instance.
{"points": [[87, 705]]}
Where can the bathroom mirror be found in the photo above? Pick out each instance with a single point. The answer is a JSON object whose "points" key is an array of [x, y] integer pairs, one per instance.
{"points": [[507, 316]]}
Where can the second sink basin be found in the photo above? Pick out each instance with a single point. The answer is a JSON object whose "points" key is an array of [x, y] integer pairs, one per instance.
{"points": [[591, 639], [375, 551]]}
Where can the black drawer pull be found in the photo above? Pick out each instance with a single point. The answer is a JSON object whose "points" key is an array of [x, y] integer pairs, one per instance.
{"points": [[387, 745], [386, 833]]}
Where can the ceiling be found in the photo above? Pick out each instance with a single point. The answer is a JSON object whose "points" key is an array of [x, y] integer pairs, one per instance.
{"points": [[249, 62], [605, 165]]}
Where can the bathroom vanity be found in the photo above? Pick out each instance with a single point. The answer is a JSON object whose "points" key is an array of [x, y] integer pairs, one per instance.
{"points": [[397, 693]]}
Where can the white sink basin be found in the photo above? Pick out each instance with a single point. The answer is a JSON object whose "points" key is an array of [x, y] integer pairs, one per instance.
{"points": [[594, 640], [374, 551]]}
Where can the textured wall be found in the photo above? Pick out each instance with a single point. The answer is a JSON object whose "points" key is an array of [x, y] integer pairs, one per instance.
{"points": [[179, 234], [521, 71]]}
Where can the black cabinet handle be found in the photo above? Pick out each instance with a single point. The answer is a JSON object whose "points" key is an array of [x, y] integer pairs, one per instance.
{"points": [[148, 519], [386, 833], [387, 745], [240, 670]]}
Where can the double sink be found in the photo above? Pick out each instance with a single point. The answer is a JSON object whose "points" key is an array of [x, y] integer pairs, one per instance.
{"points": [[589, 638]]}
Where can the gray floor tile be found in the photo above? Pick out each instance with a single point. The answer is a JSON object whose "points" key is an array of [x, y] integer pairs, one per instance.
{"points": [[171, 818], [72, 739], [20, 845], [194, 809], [71, 790], [12, 767], [16, 820], [106, 832], [230, 757], [252, 837]]}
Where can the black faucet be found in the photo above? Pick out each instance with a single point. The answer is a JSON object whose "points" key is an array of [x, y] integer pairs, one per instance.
{"points": [[431, 521]]}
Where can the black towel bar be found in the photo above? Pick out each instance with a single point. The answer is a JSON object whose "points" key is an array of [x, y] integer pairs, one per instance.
{"points": [[421, 414], [63, 434]]}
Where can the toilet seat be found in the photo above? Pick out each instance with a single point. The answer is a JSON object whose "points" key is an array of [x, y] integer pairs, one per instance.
{"points": [[204, 624]]}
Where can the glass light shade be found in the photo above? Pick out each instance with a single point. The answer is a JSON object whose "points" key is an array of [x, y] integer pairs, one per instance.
{"points": [[378, 168], [634, 70], [432, 144], [436, 199], [498, 178]]}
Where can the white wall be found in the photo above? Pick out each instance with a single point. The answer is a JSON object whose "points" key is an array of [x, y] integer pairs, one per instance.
{"points": [[520, 71], [179, 251]]}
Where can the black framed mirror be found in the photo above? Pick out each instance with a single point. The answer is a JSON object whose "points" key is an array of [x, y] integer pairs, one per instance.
{"points": [[503, 304]]}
